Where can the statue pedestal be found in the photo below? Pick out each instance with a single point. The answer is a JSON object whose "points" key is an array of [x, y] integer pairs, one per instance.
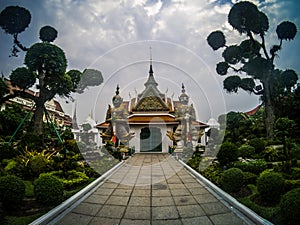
{"points": [[178, 153]]}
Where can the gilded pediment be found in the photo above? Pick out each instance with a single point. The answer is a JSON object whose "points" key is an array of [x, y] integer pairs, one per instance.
{"points": [[151, 103]]}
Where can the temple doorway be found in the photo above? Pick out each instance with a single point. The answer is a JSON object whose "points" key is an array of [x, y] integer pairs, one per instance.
{"points": [[151, 139]]}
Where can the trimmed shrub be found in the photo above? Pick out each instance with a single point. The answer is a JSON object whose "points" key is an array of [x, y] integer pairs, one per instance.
{"points": [[246, 151], [291, 184], [270, 186], [70, 179], [255, 166], [290, 207], [250, 178], [48, 189], [12, 191], [258, 144], [227, 154], [232, 180]]}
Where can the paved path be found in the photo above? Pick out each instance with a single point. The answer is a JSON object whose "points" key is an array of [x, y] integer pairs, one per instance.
{"points": [[151, 189]]}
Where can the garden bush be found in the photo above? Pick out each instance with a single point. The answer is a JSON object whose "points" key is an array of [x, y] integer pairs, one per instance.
{"points": [[12, 191], [249, 178], [270, 186], [48, 189], [290, 207], [254, 166], [227, 154], [258, 144], [232, 180], [70, 179], [291, 184], [246, 151]]}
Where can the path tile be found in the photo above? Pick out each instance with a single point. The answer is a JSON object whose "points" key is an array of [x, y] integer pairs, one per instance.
{"points": [[164, 212]]}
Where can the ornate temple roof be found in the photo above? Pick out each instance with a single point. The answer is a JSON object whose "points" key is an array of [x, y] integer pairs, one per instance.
{"points": [[151, 99]]}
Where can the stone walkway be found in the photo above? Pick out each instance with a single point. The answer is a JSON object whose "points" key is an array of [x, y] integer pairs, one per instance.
{"points": [[151, 189]]}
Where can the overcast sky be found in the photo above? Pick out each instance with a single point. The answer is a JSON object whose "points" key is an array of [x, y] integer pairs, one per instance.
{"points": [[115, 36]]}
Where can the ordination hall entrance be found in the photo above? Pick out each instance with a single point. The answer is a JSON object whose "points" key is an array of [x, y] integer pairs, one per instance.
{"points": [[151, 139]]}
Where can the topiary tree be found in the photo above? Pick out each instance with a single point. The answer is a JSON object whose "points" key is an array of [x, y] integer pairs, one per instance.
{"points": [[227, 154], [290, 207], [12, 191], [48, 189], [232, 180], [270, 186], [44, 62], [250, 60]]}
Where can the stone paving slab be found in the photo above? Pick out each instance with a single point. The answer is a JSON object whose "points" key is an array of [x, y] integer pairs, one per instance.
{"points": [[152, 189]]}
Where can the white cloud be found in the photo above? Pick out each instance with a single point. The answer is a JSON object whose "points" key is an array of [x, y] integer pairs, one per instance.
{"points": [[114, 37]]}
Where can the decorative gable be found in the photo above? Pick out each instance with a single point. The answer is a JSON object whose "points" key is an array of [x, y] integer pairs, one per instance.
{"points": [[151, 103]]}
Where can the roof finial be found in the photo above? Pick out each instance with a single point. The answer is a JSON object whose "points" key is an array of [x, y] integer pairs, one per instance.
{"points": [[151, 70], [150, 55], [117, 91], [183, 90]]}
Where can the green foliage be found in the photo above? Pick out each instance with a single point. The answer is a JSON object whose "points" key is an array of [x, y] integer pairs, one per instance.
{"points": [[227, 154], [216, 40], [258, 143], [291, 184], [246, 151], [250, 178], [14, 19], [245, 17], [270, 186], [252, 60], [195, 160], [29, 188], [31, 141], [22, 77], [286, 30], [213, 172], [3, 88], [35, 162], [269, 213], [48, 34], [55, 67], [10, 119], [48, 189], [254, 166], [270, 154], [232, 83], [232, 180], [232, 54], [71, 179], [290, 207], [222, 68], [12, 191], [90, 77], [7, 151]]}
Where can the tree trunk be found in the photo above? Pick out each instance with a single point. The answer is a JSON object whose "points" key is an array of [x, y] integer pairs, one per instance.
{"points": [[38, 125], [269, 110]]}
